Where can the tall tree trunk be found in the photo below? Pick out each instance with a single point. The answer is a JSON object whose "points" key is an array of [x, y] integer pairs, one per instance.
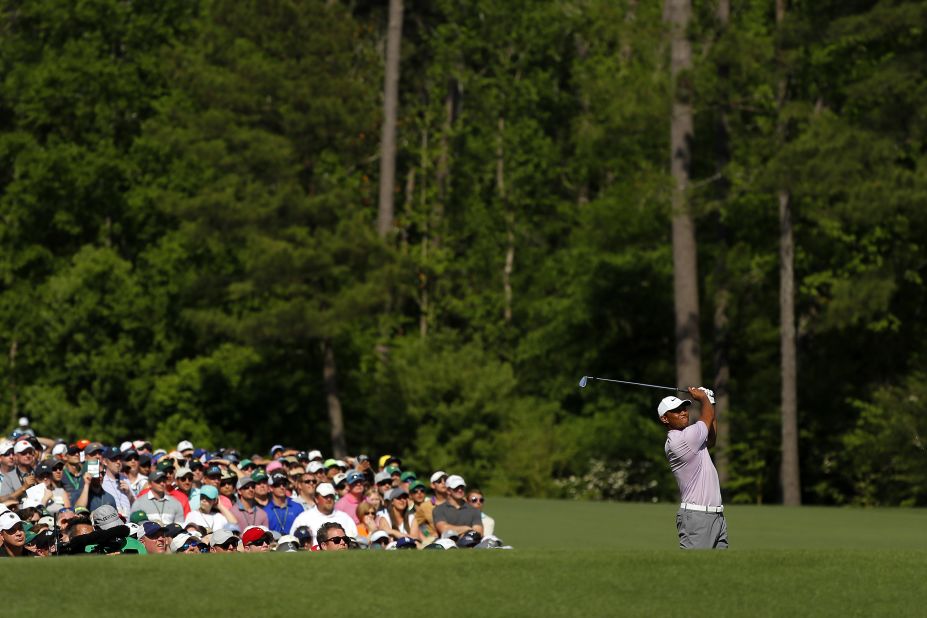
{"points": [[390, 112], [789, 472], [335, 417], [14, 407], [509, 224], [722, 292], [423, 297], [685, 268]]}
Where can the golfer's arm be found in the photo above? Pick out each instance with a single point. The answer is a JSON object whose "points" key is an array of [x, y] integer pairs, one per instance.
{"points": [[711, 421]]}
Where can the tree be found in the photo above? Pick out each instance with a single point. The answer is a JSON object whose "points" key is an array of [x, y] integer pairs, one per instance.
{"points": [[390, 113]]}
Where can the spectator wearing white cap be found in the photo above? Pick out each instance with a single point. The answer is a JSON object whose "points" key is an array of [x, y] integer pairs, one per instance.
{"points": [[456, 515], [12, 487], [424, 512], [324, 512], [185, 448], [13, 536], [22, 472]]}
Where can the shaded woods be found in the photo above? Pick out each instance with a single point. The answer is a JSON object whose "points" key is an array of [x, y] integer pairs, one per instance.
{"points": [[192, 243]]}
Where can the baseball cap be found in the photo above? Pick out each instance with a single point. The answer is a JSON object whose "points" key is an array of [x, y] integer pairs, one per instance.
{"points": [[244, 481], [362, 458], [179, 540], [455, 481], [382, 476], [255, 533], [112, 453], [304, 533], [157, 475], [5, 447], [278, 479], [354, 477], [220, 537], [330, 463], [183, 471], [325, 489], [379, 534], [416, 485], [244, 463], [105, 517], [274, 465], [151, 528], [8, 519], [43, 469], [339, 478], [437, 476], [60, 449], [213, 470], [396, 492], [392, 470], [208, 491], [408, 476], [442, 544], [22, 446], [275, 448], [258, 475], [671, 403], [165, 464], [138, 517], [287, 543], [129, 452], [315, 455], [314, 466], [184, 445], [126, 446], [93, 447]]}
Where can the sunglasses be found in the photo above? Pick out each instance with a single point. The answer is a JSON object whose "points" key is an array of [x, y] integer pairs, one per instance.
{"points": [[186, 477], [310, 481], [338, 540], [476, 500], [203, 549], [131, 459], [384, 483], [418, 490], [226, 483], [258, 543], [229, 545], [58, 467]]}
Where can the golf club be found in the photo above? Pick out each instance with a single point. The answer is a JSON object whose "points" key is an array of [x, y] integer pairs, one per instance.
{"points": [[585, 380]]}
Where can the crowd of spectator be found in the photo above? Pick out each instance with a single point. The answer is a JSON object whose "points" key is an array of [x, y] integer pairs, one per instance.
{"points": [[85, 497]]}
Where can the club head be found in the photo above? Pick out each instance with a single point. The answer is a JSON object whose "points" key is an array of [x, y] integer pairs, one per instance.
{"points": [[582, 381]]}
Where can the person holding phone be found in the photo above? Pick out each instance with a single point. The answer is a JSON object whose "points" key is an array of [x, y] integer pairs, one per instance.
{"points": [[92, 495]]}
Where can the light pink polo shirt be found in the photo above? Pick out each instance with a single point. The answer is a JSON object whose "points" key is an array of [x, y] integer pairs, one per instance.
{"points": [[687, 452]]}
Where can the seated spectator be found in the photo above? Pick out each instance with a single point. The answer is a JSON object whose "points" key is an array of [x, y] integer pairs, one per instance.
{"points": [[399, 522], [224, 541], [332, 537], [456, 515], [256, 539], [304, 535], [185, 543], [153, 537], [14, 537], [324, 512], [367, 518], [475, 499]]}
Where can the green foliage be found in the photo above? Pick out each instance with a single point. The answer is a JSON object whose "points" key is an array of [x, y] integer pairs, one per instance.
{"points": [[187, 211]]}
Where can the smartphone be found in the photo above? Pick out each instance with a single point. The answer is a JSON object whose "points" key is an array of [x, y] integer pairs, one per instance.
{"points": [[93, 467]]}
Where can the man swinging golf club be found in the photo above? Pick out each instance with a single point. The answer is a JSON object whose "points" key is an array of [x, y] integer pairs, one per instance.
{"points": [[700, 519]]}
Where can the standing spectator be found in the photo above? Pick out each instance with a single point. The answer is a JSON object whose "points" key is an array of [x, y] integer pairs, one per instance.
{"points": [[7, 467], [281, 510], [332, 537], [184, 480], [115, 483], [324, 512], [305, 486], [92, 495], [157, 504], [245, 510], [349, 502], [17, 470], [50, 473], [455, 514], [72, 480], [476, 500], [261, 488]]}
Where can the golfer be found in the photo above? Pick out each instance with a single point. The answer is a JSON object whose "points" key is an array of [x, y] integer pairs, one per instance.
{"points": [[700, 520]]}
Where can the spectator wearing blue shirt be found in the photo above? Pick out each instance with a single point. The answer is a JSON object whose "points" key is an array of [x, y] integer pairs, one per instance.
{"points": [[281, 509]]}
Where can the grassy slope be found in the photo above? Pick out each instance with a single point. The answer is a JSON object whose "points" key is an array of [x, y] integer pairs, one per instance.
{"points": [[572, 559]]}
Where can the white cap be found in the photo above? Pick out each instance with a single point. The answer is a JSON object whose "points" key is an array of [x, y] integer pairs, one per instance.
{"points": [[671, 403], [23, 421], [315, 455], [314, 466], [125, 446], [184, 445], [22, 445], [455, 481], [60, 449], [8, 519], [179, 540], [325, 489], [5, 445], [446, 543], [138, 444], [379, 534], [437, 475]]}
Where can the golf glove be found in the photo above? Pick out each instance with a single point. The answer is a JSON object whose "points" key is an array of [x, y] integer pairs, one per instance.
{"points": [[709, 392]]}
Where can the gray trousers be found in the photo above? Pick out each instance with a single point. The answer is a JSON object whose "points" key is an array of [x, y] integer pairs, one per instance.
{"points": [[699, 530]]}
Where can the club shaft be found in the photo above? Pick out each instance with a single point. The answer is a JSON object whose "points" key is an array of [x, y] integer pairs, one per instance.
{"points": [[666, 388]]}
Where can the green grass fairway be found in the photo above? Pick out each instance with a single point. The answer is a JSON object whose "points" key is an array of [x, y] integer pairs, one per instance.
{"points": [[571, 559]]}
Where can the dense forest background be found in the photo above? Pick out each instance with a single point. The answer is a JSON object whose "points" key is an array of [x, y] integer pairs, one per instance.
{"points": [[193, 242]]}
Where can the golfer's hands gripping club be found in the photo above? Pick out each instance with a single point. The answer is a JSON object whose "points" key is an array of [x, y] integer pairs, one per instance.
{"points": [[701, 393]]}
